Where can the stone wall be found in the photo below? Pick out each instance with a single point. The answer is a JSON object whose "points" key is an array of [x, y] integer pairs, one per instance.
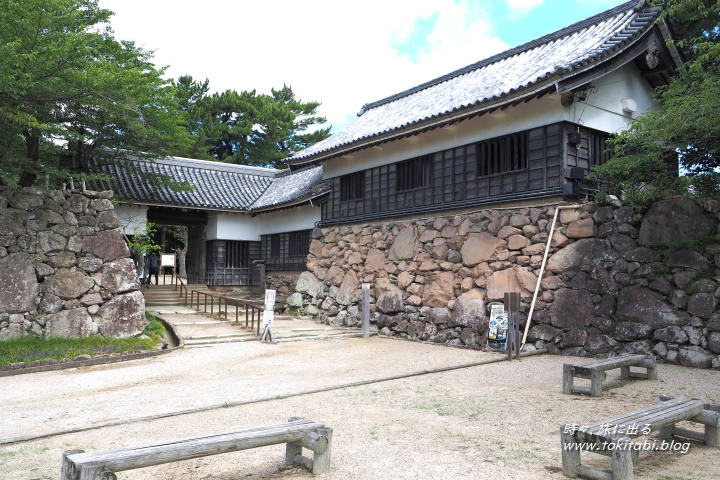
{"points": [[616, 282], [65, 269], [283, 282]]}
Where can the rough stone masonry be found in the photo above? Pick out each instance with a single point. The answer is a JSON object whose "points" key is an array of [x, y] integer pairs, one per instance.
{"points": [[65, 269], [617, 281]]}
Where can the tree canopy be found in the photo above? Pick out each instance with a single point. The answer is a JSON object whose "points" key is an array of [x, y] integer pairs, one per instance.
{"points": [[684, 123], [246, 127], [69, 92], [72, 95]]}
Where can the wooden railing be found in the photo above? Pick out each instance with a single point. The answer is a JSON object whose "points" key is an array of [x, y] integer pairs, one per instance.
{"points": [[174, 279], [251, 311]]}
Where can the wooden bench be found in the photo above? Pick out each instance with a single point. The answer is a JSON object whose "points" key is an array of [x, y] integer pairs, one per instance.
{"points": [[605, 439], [595, 371], [297, 433]]}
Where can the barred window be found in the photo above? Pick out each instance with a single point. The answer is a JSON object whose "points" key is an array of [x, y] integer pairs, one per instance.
{"points": [[352, 186], [275, 245], [503, 154], [414, 173], [299, 243], [600, 149]]}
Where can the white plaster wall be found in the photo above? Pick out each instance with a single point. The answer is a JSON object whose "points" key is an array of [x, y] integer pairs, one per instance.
{"points": [[131, 217], [601, 111], [238, 226], [300, 218], [233, 226]]}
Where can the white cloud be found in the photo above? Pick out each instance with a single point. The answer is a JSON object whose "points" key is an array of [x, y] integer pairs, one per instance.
{"points": [[333, 52], [522, 7]]}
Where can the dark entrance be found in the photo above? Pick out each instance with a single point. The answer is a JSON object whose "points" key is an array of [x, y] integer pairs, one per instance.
{"points": [[196, 221]]}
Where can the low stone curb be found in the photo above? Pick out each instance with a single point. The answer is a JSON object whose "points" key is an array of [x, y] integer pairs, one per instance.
{"points": [[101, 360], [83, 363]]}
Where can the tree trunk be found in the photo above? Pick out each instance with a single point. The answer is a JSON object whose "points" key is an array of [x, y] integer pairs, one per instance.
{"points": [[182, 253], [32, 142]]}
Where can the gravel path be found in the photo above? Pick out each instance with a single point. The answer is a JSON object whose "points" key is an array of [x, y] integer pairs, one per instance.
{"points": [[498, 421]]}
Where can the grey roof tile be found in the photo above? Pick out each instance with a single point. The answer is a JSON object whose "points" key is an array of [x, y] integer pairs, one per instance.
{"points": [[559, 54], [289, 187], [217, 185]]}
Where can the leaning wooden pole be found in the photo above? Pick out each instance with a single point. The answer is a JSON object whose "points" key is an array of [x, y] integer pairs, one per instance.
{"points": [[542, 269]]}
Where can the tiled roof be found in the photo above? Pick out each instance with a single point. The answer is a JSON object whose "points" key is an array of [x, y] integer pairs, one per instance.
{"points": [[289, 187], [558, 55], [217, 186]]}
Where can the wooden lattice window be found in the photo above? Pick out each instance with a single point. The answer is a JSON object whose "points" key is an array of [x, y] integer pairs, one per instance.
{"points": [[414, 173], [275, 245], [503, 154], [352, 186], [299, 243], [600, 149]]}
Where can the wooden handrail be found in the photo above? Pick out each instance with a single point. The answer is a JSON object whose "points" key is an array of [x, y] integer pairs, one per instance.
{"points": [[250, 309]]}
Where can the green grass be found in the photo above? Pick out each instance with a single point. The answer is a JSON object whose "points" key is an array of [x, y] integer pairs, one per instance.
{"points": [[29, 348]]}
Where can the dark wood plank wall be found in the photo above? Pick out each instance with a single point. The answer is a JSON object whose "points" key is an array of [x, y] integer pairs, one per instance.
{"points": [[284, 261], [218, 251], [592, 150], [455, 179]]}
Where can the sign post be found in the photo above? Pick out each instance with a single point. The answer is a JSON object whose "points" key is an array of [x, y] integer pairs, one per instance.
{"points": [[512, 306], [366, 310], [268, 315]]}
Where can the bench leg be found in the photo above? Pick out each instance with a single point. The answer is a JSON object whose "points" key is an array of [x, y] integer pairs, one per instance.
{"points": [[624, 373], [292, 449], [651, 366], [570, 458], [321, 461], [622, 461], [95, 473], [596, 378], [68, 471], [711, 415], [567, 378], [712, 436]]}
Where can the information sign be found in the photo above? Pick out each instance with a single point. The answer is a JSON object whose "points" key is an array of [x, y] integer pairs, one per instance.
{"points": [[167, 260], [498, 324], [269, 307]]}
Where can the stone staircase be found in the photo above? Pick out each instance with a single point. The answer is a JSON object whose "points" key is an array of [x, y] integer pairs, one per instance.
{"points": [[203, 332], [167, 295]]}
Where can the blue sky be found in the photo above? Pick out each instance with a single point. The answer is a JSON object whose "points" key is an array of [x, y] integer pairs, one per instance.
{"points": [[343, 54]]}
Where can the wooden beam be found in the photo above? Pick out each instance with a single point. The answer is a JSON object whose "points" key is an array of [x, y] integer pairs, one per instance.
{"points": [[624, 57]]}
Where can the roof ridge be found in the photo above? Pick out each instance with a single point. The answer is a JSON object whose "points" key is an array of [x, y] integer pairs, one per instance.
{"points": [[219, 166], [506, 54]]}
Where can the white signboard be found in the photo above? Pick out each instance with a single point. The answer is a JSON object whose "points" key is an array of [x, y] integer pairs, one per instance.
{"points": [[269, 307], [167, 259]]}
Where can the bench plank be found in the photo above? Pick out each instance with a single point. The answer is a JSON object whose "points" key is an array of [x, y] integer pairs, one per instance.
{"points": [[595, 371], [615, 362], [301, 433], [657, 415], [661, 416]]}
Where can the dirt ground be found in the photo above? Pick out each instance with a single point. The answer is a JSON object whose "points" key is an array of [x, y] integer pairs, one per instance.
{"points": [[492, 421]]}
